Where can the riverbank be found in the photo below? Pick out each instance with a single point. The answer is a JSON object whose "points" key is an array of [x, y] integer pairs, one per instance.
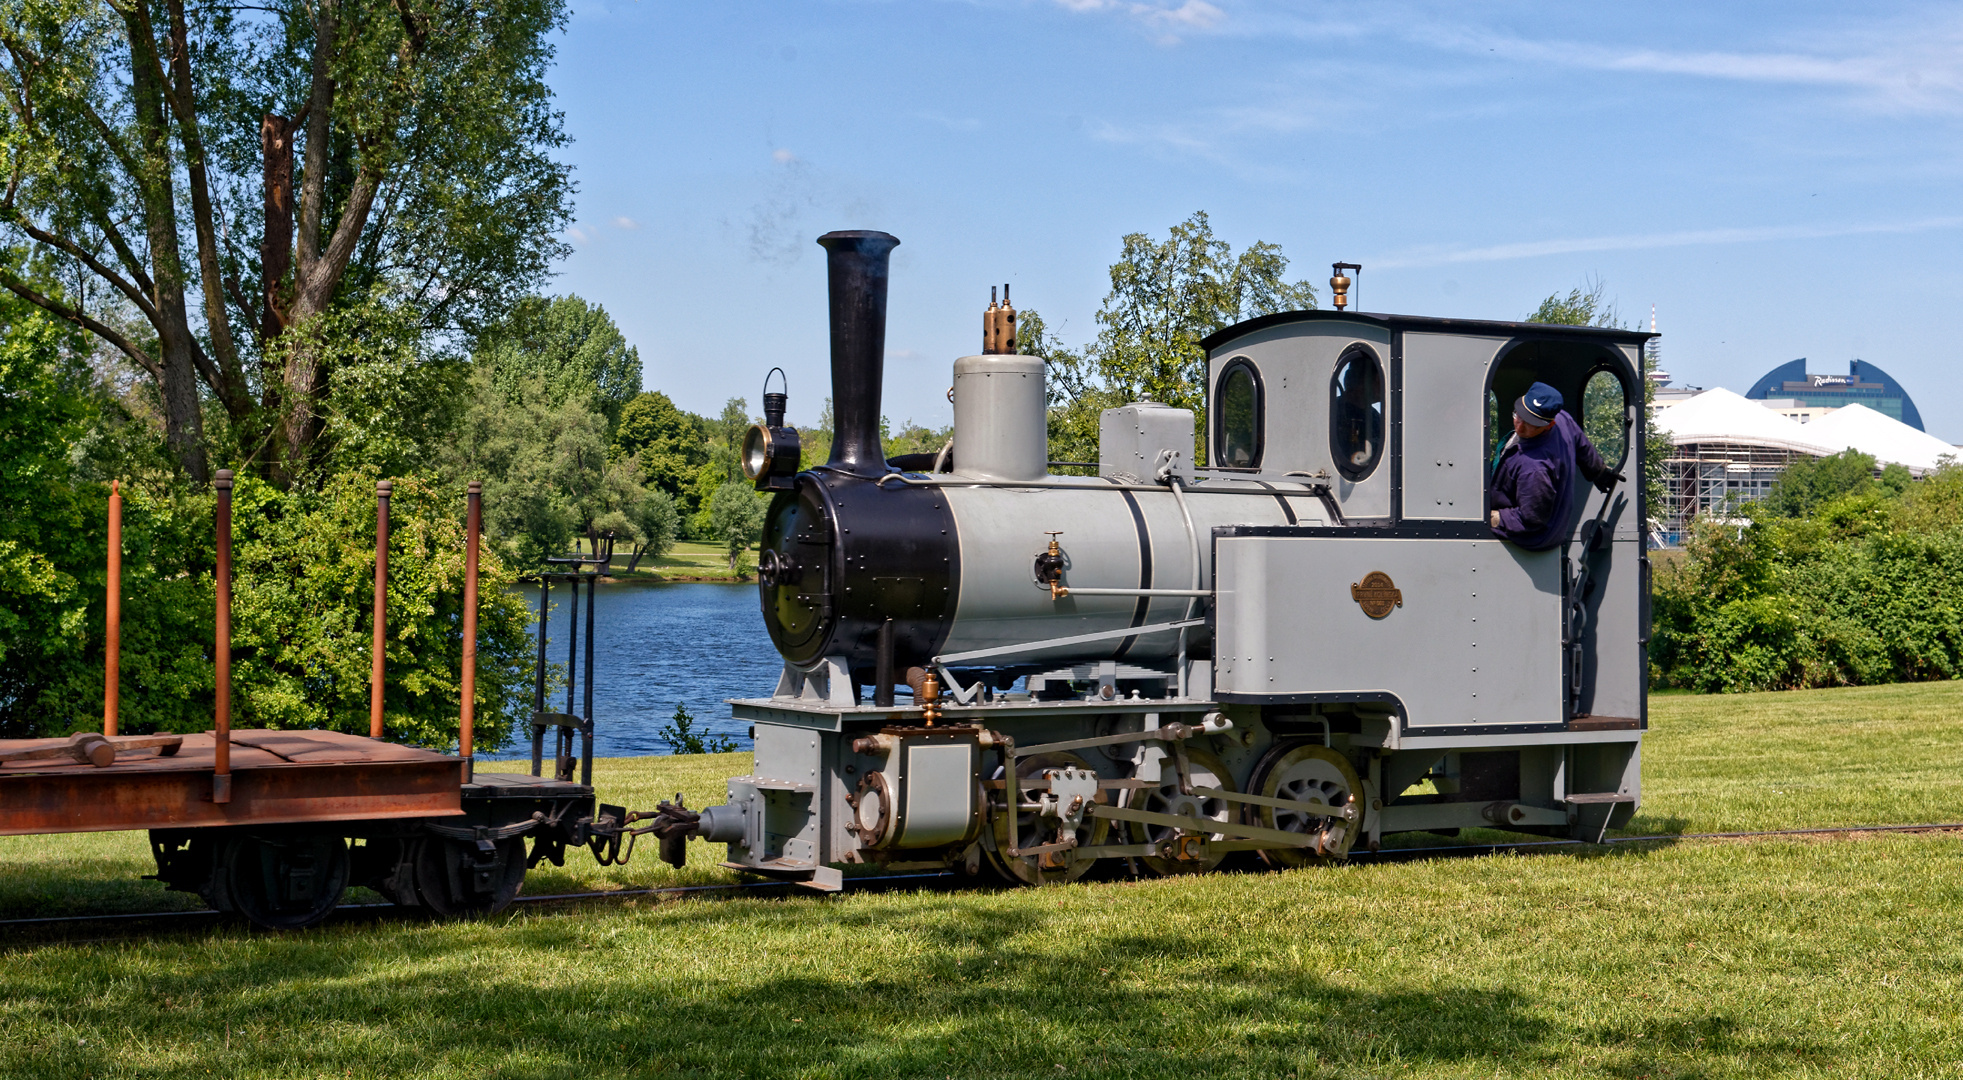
{"points": [[699, 563]]}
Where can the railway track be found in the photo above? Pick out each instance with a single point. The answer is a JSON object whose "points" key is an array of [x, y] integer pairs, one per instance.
{"points": [[199, 918]]}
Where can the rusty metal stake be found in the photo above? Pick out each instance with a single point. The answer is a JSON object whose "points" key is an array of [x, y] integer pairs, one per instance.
{"points": [[112, 645], [378, 664], [473, 527], [221, 770]]}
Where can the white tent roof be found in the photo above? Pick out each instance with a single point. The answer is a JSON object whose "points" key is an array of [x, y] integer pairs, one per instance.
{"points": [[1722, 416], [1889, 440]]}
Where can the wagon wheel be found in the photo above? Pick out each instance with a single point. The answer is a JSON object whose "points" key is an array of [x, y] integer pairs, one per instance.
{"points": [[455, 877], [1166, 798], [1053, 867], [1296, 771], [280, 882]]}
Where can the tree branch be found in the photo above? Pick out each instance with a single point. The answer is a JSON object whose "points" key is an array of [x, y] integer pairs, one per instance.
{"points": [[320, 100], [61, 310], [230, 376], [82, 254]]}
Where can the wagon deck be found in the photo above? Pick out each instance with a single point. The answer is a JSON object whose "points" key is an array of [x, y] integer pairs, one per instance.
{"points": [[278, 777]]}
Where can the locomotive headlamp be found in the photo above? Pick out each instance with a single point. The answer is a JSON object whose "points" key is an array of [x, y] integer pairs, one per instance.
{"points": [[771, 454]]}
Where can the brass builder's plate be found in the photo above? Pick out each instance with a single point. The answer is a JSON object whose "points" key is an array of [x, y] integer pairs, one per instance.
{"points": [[1376, 594]]}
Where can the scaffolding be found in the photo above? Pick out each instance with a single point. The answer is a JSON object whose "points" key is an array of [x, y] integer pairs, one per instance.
{"points": [[1715, 478]]}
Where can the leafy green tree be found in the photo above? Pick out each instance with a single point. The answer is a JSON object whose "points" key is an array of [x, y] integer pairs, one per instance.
{"points": [[914, 438], [302, 612], [543, 467], [643, 517], [47, 565], [210, 177], [722, 465], [1809, 482], [736, 518], [669, 443], [1165, 297], [570, 347]]}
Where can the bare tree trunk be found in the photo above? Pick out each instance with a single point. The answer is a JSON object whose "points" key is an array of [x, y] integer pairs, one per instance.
{"points": [[276, 243]]}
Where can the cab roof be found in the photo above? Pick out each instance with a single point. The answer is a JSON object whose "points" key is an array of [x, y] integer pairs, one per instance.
{"points": [[1426, 324]]}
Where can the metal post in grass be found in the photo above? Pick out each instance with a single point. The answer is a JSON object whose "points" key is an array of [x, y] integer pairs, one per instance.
{"points": [[378, 661], [112, 644], [221, 751]]}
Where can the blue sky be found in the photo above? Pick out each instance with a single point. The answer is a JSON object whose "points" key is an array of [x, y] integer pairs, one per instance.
{"points": [[1780, 180]]}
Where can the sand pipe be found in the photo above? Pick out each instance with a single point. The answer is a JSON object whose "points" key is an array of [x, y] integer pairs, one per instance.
{"points": [[112, 643], [221, 767], [856, 267], [378, 662], [467, 722]]}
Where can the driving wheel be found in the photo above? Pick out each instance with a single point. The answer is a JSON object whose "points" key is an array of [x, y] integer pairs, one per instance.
{"points": [[1190, 853], [1051, 867], [1299, 771]]}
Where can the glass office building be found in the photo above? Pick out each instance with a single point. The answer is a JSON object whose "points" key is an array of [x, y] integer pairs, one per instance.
{"points": [[1863, 383]]}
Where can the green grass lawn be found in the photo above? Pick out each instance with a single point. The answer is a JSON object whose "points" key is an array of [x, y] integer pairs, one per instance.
{"points": [[1792, 957]]}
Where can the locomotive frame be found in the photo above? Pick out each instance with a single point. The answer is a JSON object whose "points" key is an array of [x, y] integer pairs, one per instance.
{"points": [[1314, 646]]}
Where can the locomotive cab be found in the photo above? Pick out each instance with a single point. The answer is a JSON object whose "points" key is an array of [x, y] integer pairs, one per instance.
{"points": [[1286, 629]]}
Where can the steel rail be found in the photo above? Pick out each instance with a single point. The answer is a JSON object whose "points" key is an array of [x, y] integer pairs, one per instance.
{"points": [[877, 880]]}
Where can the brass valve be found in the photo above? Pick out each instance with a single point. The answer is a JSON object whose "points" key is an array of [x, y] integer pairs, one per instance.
{"points": [[1049, 568]]}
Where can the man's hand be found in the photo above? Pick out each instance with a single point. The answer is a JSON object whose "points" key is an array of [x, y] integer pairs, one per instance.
{"points": [[1495, 518], [1607, 481]]}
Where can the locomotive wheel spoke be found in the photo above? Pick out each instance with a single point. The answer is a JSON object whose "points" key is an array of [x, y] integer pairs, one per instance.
{"points": [[1301, 771], [1192, 854], [1057, 864]]}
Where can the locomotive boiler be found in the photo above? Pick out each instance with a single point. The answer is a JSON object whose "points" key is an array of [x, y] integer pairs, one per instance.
{"points": [[1308, 641]]}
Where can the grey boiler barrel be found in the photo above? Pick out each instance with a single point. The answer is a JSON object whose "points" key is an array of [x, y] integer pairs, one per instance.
{"points": [[954, 566]]}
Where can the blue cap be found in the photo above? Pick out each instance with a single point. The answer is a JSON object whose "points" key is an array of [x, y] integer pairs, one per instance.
{"points": [[1538, 405]]}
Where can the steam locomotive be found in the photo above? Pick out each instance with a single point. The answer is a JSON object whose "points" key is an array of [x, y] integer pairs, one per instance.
{"points": [[1310, 642]]}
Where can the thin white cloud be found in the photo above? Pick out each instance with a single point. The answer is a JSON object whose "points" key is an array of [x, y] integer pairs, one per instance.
{"points": [[626, 223], [1915, 69], [782, 157], [578, 235], [1189, 15], [1641, 241]]}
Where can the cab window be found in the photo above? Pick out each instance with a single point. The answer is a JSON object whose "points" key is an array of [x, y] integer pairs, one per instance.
{"points": [[1237, 423], [1356, 413]]}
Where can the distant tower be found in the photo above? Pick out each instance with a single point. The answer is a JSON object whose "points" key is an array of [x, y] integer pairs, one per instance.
{"points": [[1653, 348]]}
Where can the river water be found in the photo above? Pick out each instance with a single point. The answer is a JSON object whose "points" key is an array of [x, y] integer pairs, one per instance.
{"points": [[658, 646]]}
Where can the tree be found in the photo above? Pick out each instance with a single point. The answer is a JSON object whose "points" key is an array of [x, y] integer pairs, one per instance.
{"points": [[722, 464], [669, 443], [403, 144], [543, 467], [1165, 297], [736, 517], [571, 348], [644, 517], [1809, 481]]}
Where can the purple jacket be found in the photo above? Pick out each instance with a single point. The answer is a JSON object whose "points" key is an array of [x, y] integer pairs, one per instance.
{"points": [[1533, 483]]}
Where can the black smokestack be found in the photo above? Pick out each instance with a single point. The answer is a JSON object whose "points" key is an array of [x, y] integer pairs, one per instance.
{"points": [[856, 264]]}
